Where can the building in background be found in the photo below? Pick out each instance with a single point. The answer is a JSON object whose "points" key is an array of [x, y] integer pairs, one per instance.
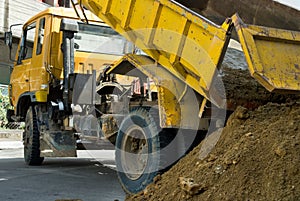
{"points": [[14, 12], [56, 3]]}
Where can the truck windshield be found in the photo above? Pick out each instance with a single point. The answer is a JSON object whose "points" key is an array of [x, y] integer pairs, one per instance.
{"points": [[101, 39]]}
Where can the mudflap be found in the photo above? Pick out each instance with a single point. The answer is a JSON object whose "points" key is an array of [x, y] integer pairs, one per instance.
{"points": [[58, 144], [85, 121]]}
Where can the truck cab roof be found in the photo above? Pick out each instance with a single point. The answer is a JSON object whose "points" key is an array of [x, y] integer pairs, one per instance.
{"points": [[65, 13]]}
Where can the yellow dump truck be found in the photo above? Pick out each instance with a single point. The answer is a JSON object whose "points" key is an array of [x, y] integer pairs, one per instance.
{"points": [[184, 52], [176, 95]]}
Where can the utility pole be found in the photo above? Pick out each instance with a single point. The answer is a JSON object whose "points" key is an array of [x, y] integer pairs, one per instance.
{"points": [[67, 3], [64, 3]]}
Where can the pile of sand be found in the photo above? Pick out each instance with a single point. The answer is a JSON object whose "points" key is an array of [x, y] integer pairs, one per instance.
{"points": [[256, 157]]}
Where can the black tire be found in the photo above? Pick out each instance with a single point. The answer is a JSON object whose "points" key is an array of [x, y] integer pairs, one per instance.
{"points": [[139, 154], [144, 150], [137, 151], [32, 139]]}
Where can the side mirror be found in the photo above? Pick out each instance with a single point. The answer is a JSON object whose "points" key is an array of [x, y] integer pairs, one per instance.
{"points": [[8, 39]]}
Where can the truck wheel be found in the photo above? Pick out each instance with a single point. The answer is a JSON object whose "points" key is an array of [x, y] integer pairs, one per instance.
{"points": [[32, 139], [137, 151]]}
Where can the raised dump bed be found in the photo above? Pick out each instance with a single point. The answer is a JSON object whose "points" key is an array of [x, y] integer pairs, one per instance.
{"points": [[192, 48], [186, 53]]}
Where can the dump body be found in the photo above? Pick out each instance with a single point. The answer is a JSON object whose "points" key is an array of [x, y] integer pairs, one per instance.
{"points": [[192, 47], [272, 55]]}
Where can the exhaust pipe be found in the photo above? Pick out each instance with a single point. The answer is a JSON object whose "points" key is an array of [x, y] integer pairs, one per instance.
{"points": [[69, 27]]}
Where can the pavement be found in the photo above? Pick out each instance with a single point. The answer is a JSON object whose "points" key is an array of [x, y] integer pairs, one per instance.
{"points": [[89, 177]]}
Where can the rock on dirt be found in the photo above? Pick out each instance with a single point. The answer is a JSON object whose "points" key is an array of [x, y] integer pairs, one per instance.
{"points": [[256, 157]]}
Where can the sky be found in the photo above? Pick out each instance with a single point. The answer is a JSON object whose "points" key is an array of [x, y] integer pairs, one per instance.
{"points": [[291, 3]]}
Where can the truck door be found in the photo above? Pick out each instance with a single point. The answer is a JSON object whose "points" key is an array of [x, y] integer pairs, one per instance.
{"points": [[20, 76], [27, 75], [38, 74]]}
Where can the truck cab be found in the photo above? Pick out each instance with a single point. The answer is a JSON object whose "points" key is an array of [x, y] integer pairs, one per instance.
{"points": [[56, 68], [39, 59]]}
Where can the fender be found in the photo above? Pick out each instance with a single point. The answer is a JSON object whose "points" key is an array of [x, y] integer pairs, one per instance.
{"points": [[25, 100]]}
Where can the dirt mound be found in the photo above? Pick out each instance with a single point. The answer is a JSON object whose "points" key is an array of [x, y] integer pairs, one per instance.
{"points": [[256, 157], [259, 12]]}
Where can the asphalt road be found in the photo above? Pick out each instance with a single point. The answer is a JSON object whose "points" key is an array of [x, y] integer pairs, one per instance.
{"points": [[91, 177]]}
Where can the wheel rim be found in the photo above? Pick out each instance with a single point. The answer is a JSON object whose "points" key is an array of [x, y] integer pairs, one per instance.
{"points": [[134, 154]]}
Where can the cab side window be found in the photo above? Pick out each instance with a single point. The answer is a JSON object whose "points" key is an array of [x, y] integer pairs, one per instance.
{"points": [[40, 39], [26, 47]]}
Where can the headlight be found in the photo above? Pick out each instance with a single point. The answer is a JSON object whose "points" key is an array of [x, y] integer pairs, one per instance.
{"points": [[44, 86]]}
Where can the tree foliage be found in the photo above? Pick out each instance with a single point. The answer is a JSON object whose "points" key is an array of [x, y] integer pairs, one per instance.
{"points": [[4, 105]]}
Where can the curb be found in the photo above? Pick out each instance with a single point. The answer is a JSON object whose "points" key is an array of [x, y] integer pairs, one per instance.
{"points": [[11, 134]]}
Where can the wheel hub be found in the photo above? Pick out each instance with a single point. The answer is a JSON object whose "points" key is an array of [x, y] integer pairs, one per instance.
{"points": [[134, 152]]}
